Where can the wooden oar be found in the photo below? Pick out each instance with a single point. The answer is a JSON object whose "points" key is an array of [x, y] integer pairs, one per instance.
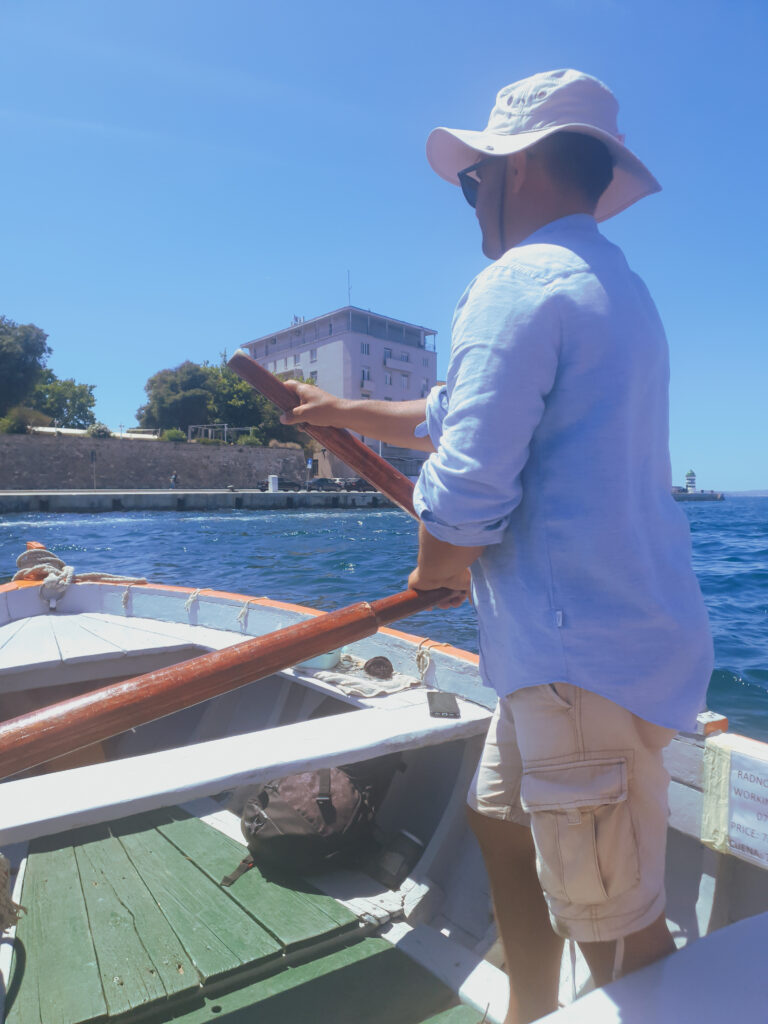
{"points": [[365, 462], [37, 737]]}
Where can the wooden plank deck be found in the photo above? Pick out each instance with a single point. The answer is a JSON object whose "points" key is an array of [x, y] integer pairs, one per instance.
{"points": [[55, 909], [296, 916], [370, 981], [131, 915]]}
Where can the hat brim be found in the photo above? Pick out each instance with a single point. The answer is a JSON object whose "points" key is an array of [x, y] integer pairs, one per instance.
{"points": [[449, 150]]}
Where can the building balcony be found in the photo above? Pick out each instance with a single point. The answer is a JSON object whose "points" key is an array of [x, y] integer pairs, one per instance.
{"points": [[398, 364]]}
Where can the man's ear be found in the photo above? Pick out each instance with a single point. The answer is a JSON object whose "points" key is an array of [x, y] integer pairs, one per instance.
{"points": [[517, 168]]}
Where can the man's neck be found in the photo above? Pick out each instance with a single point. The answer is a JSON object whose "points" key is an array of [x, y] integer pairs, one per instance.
{"points": [[518, 229]]}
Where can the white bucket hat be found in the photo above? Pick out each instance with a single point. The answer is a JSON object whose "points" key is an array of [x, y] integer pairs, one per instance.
{"points": [[527, 112]]}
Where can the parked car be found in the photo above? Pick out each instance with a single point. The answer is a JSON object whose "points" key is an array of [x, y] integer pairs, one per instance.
{"points": [[282, 485], [323, 483], [357, 483]]}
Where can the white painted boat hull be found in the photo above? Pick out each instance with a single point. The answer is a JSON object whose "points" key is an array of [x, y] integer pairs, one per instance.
{"points": [[200, 757]]}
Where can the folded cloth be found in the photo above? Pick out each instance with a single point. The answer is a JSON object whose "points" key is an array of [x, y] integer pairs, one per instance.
{"points": [[351, 678]]}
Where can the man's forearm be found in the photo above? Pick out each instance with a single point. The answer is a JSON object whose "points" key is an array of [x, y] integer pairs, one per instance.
{"points": [[392, 422], [441, 564]]}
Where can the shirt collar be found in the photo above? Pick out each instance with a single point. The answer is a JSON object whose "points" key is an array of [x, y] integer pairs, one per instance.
{"points": [[581, 222]]}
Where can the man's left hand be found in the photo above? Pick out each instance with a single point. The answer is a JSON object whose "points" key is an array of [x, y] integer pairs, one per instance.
{"points": [[460, 584]]}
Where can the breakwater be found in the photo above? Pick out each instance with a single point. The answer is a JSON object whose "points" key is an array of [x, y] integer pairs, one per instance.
{"points": [[180, 500]]}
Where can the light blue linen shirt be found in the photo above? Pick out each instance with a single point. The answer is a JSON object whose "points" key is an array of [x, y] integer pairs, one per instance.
{"points": [[553, 453]]}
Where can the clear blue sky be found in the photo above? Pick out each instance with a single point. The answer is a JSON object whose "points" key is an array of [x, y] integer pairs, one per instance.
{"points": [[181, 176]]}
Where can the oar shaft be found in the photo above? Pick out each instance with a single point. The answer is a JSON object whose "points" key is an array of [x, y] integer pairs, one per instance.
{"points": [[365, 462], [61, 728]]}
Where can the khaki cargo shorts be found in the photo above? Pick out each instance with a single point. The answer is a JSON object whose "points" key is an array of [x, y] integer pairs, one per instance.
{"points": [[587, 777]]}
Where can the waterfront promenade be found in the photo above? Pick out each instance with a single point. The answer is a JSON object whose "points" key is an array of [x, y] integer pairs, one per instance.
{"points": [[182, 500]]}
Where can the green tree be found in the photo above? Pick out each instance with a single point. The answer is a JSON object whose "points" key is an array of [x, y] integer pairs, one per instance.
{"points": [[195, 394], [23, 355], [19, 419], [176, 398], [232, 400], [67, 403]]}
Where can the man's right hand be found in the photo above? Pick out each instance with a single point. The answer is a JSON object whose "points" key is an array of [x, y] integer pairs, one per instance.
{"points": [[318, 407]]}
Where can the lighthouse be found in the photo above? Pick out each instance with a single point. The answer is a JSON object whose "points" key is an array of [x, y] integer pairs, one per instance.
{"points": [[690, 481]]}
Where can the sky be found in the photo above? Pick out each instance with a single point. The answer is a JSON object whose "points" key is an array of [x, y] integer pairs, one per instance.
{"points": [[179, 177]]}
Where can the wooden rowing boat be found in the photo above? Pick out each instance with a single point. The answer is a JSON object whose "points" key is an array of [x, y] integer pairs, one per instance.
{"points": [[117, 859], [117, 854]]}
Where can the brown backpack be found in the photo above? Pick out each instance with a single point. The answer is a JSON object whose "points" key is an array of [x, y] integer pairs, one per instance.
{"points": [[308, 822]]}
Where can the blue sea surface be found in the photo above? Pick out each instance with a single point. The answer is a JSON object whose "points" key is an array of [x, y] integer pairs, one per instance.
{"points": [[330, 558]]}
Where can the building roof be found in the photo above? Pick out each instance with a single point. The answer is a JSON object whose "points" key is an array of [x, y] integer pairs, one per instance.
{"points": [[302, 322]]}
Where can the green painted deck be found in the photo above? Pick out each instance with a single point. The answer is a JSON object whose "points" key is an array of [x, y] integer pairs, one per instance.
{"points": [[128, 920], [369, 982]]}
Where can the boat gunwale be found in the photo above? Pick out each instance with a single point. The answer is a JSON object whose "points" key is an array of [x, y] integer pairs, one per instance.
{"points": [[265, 602]]}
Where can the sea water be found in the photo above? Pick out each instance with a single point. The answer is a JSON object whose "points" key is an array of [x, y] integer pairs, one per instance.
{"points": [[330, 558]]}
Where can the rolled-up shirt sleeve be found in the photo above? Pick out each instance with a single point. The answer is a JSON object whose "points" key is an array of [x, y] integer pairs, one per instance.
{"points": [[504, 356], [437, 407]]}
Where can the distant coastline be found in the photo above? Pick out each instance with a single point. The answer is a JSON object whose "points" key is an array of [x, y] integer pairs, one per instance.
{"points": [[746, 494]]}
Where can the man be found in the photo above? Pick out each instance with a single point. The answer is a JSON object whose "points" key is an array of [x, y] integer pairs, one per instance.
{"points": [[551, 478]]}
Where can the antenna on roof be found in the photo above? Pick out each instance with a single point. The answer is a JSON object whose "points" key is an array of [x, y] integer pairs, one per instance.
{"points": [[349, 290]]}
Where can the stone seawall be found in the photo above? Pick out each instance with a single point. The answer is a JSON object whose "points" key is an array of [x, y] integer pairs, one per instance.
{"points": [[44, 462], [184, 501]]}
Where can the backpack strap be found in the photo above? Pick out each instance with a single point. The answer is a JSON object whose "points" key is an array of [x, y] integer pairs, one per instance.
{"points": [[323, 798], [323, 786], [245, 865]]}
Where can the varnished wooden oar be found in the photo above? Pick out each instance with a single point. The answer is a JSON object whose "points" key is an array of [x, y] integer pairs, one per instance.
{"points": [[365, 462], [37, 737]]}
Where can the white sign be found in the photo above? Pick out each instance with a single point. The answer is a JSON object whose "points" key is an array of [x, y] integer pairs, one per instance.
{"points": [[748, 808]]}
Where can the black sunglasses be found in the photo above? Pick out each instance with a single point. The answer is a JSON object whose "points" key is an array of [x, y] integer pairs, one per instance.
{"points": [[470, 185]]}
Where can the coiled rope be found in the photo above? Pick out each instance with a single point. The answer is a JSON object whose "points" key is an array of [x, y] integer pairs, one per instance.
{"points": [[37, 563]]}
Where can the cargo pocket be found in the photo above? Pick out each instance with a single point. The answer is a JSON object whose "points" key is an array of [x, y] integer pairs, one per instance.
{"points": [[586, 849]]}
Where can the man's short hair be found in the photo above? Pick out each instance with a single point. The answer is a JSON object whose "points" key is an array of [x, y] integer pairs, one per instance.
{"points": [[577, 161]]}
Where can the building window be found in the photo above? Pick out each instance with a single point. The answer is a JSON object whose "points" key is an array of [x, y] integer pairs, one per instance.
{"points": [[387, 354], [404, 357], [296, 360], [425, 361], [366, 373], [313, 376], [403, 382], [330, 327], [365, 348], [313, 355], [387, 378]]}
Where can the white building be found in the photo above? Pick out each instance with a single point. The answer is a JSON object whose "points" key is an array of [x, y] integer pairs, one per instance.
{"points": [[357, 354]]}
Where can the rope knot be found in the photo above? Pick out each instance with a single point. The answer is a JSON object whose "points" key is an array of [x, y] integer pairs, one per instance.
{"points": [[56, 576]]}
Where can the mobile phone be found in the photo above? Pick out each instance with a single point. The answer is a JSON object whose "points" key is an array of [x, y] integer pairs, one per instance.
{"points": [[442, 705]]}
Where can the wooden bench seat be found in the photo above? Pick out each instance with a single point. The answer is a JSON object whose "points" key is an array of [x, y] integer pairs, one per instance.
{"points": [[719, 978], [65, 800]]}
